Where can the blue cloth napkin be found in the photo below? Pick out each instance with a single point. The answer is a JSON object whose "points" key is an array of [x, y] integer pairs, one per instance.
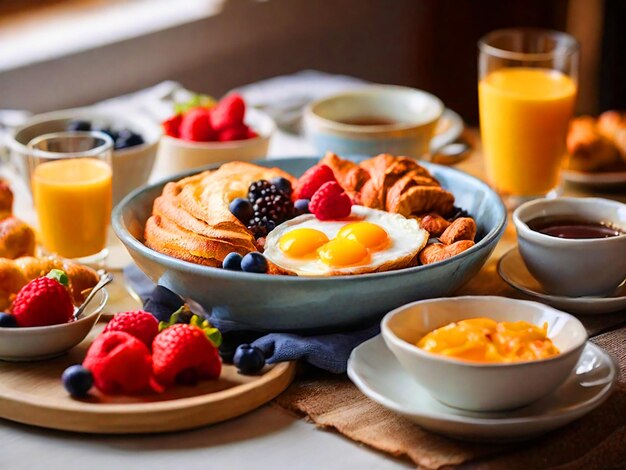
{"points": [[329, 352]]}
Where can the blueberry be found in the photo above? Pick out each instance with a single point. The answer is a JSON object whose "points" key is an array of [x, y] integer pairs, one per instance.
{"points": [[242, 209], [301, 206], [162, 302], [79, 125], [108, 131], [7, 321], [282, 183], [230, 342], [126, 138], [248, 359], [77, 380], [254, 263], [232, 262], [124, 133]]}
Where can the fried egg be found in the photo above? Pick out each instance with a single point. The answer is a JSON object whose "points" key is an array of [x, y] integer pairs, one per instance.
{"points": [[369, 240]]}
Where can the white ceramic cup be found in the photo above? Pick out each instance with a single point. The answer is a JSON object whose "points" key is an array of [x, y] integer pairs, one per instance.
{"points": [[412, 117], [573, 267]]}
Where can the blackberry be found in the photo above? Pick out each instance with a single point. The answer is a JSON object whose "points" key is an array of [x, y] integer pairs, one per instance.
{"points": [[256, 189], [271, 206], [275, 206], [261, 226]]}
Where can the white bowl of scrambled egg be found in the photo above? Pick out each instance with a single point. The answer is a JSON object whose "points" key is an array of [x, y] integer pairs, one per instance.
{"points": [[485, 353]]}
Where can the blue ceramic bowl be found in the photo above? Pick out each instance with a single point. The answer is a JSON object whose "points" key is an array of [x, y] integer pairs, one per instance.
{"points": [[263, 302]]}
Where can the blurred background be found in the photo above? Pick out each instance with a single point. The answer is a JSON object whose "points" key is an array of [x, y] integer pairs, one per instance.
{"points": [[64, 53]]}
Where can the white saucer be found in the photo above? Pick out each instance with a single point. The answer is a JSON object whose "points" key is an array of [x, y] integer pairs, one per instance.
{"points": [[606, 178], [376, 372], [513, 271], [449, 128]]}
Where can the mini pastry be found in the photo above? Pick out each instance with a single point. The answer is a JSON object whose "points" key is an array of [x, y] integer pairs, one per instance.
{"points": [[16, 237]]}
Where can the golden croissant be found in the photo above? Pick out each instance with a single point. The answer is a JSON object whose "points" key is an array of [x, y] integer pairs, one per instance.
{"points": [[588, 147], [394, 184]]}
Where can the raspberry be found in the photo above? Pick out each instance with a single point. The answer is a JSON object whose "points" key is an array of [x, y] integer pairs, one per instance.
{"points": [[142, 325], [43, 301], [171, 126], [196, 125], [119, 362], [183, 354], [330, 202], [229, 113], [311, 181]]}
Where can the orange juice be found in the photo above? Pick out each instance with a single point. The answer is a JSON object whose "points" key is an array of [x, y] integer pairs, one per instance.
{"points": [[524, 115], [73, 203]]}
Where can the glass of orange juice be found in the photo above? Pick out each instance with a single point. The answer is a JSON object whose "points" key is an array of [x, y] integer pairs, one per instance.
{"points": [[526, 94], [71, 184]]}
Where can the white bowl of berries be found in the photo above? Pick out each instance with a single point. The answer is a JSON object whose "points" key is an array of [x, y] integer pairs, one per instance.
{"points": [[40, 323], [135, 138], [204, 133]]}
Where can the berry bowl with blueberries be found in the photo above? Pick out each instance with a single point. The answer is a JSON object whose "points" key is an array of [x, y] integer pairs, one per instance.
{"points": [[135, 138], [308, 244]]}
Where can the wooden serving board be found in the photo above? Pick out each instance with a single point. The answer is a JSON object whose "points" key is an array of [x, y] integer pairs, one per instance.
{"points": [[32, 393]]}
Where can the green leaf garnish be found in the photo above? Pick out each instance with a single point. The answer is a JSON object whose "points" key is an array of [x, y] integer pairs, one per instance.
{"points": [[212, 333], [196, 101], [59, 276]]}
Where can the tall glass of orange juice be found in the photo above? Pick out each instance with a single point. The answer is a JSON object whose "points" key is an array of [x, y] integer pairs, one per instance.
{"points": [[526, 93], [71, 185]]}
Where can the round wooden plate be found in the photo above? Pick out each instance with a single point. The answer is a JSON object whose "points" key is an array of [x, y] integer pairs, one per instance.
{"points": [[32, 393]]}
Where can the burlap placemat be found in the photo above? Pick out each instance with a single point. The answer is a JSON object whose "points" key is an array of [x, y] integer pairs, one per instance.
{"points": [[596, 441]]}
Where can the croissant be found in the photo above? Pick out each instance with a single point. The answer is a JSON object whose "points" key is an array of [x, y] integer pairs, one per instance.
{"points": [[612, 124], [394, 184], [16, 237], [589, 148], [15, 274]]}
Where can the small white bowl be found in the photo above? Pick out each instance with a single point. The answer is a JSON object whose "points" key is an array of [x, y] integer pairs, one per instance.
{"points": [[573, 267], [178, 155], [43, 342], [479, 386], [132, 166], [413, 116]]}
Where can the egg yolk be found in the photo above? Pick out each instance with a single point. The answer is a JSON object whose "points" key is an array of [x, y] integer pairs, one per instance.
{"points": [[342, 252], [300, 242], [485, 340], [366, 233]]}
